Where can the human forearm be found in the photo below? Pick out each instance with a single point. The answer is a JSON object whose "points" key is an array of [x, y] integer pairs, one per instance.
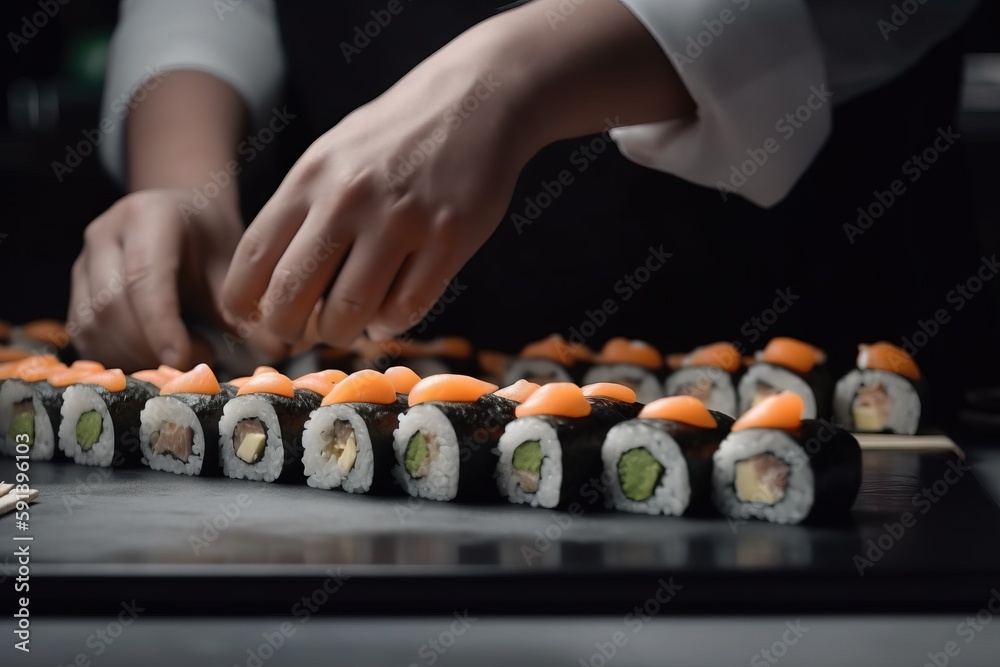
{"points": [[569, 75], [187, 127]]}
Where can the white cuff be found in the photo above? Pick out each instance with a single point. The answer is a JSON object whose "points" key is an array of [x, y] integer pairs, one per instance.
{"points": [[238, 43], [755, 69]]}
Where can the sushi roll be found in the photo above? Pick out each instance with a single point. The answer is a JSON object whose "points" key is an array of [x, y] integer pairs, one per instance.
{"points": [[40, 335], [179, 429], [551, 359], [787, 364], [776, 466], [708, 373], [492, 365], [633, 363], [661, 462], [260, 432], [445, 439], [100, 419], [551, 453], [348, 440], [30, 403], [883, 394]]}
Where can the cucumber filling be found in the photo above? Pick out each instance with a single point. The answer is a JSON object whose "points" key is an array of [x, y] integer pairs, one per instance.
{"points": [[22, 423], [250, 440], [418, 455], [761, 479], [639, 473], [341, 445], [88, 429], [527, 465]]}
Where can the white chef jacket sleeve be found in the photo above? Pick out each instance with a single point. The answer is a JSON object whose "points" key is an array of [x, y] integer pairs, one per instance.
{"points": [[238, 42], [747, 64], [765, 75]]}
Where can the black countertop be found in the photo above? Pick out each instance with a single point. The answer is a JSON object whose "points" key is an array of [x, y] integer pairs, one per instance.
{"points": [[924, 536]]}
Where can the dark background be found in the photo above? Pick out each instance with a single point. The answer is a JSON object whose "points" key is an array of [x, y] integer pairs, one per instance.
{"points": [[728, 257]]}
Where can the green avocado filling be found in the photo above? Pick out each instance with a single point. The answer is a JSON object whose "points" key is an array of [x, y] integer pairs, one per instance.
{"points": [[88, 429], [22, 425], [528, 457], [639, 473], [416, 453]]}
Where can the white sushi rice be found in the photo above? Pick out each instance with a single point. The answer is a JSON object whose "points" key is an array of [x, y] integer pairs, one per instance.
{"points": [[779, 378], [550, 473], [673, 491], [15, 391], [649, 388], [162, 409], [441, 481], [534, 369], [324, 472], [248, 407], [723, 394], [741, 445], [78, 399], [904, 417]]}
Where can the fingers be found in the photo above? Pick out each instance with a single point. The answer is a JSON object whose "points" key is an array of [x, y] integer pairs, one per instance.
{"points": [[151, 257], [302, 276], [259, 252], [80, 314], [421, 281], [116, 331], [361, 286]]}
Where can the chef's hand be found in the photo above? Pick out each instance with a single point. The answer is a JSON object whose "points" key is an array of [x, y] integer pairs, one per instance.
{"points": [[384, 209], [142, 265], [391, 202]]}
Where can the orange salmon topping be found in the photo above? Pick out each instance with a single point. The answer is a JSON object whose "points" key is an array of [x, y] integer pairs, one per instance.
{"points": [[83, 365], [781, 411], [240, 381], [314, 382], [30, 364], [75, 373], [492, 362], [883, 356], [46, 331], [198, 380], [683, 409], [153, 377], [366, 386], [35, 373], [556, 348], [112, 379], [448, 387], [13, 354], [268, 382], [558, 399], [718, 355], [610, 390], [793, 354], [519, 391], [402, 379], [264, 369], [621, 350], [331, 375]]}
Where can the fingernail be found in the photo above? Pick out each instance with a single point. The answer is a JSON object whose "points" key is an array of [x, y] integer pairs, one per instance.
{"points": [[170, 357]]}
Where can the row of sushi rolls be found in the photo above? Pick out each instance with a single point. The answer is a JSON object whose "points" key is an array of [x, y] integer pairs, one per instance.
{"points": [[710, 432]]}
